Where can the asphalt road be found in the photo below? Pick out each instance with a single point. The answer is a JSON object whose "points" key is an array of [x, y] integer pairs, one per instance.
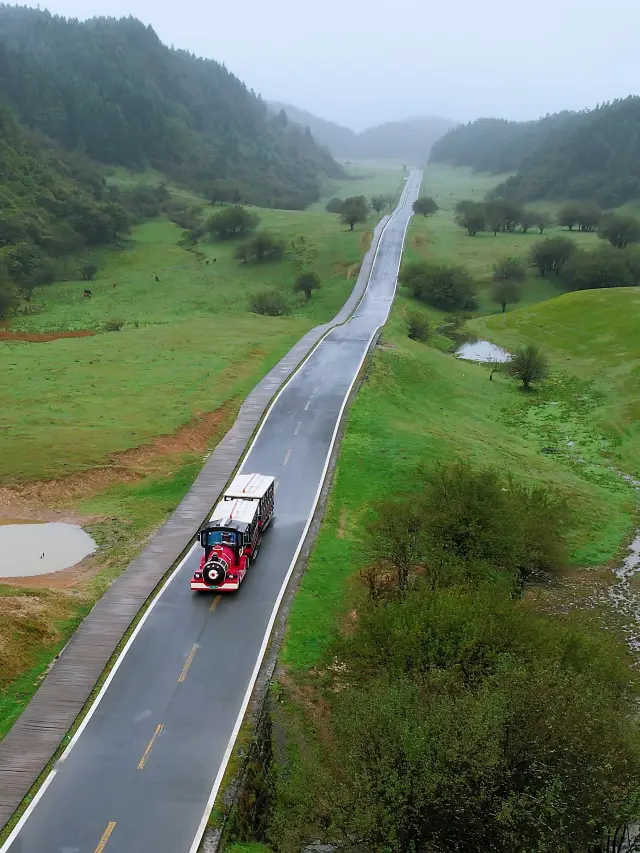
{"points": [[141, 776]]}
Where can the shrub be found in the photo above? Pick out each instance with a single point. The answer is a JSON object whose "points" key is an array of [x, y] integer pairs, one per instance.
{"points": [[88, 272], [528, 365], [446, 287], [113, 325], [270, 302], [418, 327], [307, 282]]}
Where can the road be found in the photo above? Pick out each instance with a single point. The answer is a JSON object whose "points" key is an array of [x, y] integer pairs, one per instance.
{"points": [[142, 772]]}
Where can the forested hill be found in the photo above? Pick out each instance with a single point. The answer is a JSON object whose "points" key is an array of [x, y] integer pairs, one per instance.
{"points": [[111, 88], [593, 154], [595, 158], [497, 145]]}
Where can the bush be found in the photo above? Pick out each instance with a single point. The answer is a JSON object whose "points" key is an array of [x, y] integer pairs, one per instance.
{"points": [[528, 365], [509, 269], [88, 272], [447, 287], [307, 282], [113, 325], [270, 302], [418, 327]]}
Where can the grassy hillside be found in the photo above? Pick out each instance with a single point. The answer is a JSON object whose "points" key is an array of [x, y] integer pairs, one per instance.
{"points": [[420, 405], [594, 335]]}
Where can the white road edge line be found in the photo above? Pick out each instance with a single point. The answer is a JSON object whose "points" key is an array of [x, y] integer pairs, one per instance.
{"points": [[265, 642], [30, 808]]}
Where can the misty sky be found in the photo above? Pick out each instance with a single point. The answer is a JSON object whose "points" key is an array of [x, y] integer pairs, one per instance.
{"points": [[363, 63]]}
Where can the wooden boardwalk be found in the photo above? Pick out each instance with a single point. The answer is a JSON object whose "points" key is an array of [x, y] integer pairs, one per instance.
{"points": [[41, 728]]}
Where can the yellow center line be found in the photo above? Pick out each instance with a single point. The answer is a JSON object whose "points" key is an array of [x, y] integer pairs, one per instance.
{"points": [[214, 603], [144, 758], [105, 837], [188, 662]]}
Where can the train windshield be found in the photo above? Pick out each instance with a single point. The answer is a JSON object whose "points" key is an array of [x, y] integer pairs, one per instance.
{"points": [[221, 537]]}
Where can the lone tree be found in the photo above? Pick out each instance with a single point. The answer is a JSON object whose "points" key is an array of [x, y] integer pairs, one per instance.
{"points": [[619, 230], [528, 365], [470, 215], [307, 282], [354, 209], [505, 293], [231, 222], [379, 202], [425, 205], [551, 255]]}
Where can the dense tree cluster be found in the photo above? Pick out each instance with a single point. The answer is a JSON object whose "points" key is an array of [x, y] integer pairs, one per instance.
{"points": [[451, 716], [596, 157], [111, 88]]}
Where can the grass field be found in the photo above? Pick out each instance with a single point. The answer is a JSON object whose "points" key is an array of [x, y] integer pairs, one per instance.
{"points": [[594, 335], [110, 429], [439, 239]]}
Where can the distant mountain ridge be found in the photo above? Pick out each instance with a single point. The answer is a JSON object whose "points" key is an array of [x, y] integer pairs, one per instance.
{"points": [[408, 140]]}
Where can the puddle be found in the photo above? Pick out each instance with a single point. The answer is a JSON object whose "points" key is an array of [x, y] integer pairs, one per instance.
{"points": [[483, 351], [29, 549]]}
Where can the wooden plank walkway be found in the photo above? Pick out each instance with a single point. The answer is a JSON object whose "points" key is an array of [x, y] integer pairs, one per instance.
{"points": [[40, 729]]}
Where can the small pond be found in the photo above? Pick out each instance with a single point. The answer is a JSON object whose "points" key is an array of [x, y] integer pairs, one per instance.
{"points": [[483, 351], [33, 549]]}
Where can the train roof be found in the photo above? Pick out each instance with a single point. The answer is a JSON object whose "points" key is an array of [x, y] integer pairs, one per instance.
{"points": [[235, 515], [249, 486]]}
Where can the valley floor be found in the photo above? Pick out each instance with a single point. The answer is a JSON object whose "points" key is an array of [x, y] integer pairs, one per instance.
{"points": [[108, 429]]}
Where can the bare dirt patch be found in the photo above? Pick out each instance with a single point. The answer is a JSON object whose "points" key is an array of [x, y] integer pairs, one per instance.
{"points": [[365, 240], [42, 337], [353, 271]]}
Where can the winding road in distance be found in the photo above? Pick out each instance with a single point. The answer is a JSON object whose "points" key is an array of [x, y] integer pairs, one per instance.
{"points": [[141, 774]]}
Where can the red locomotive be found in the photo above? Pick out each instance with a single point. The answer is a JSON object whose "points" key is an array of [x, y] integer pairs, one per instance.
{"points": [[232, 536]]}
